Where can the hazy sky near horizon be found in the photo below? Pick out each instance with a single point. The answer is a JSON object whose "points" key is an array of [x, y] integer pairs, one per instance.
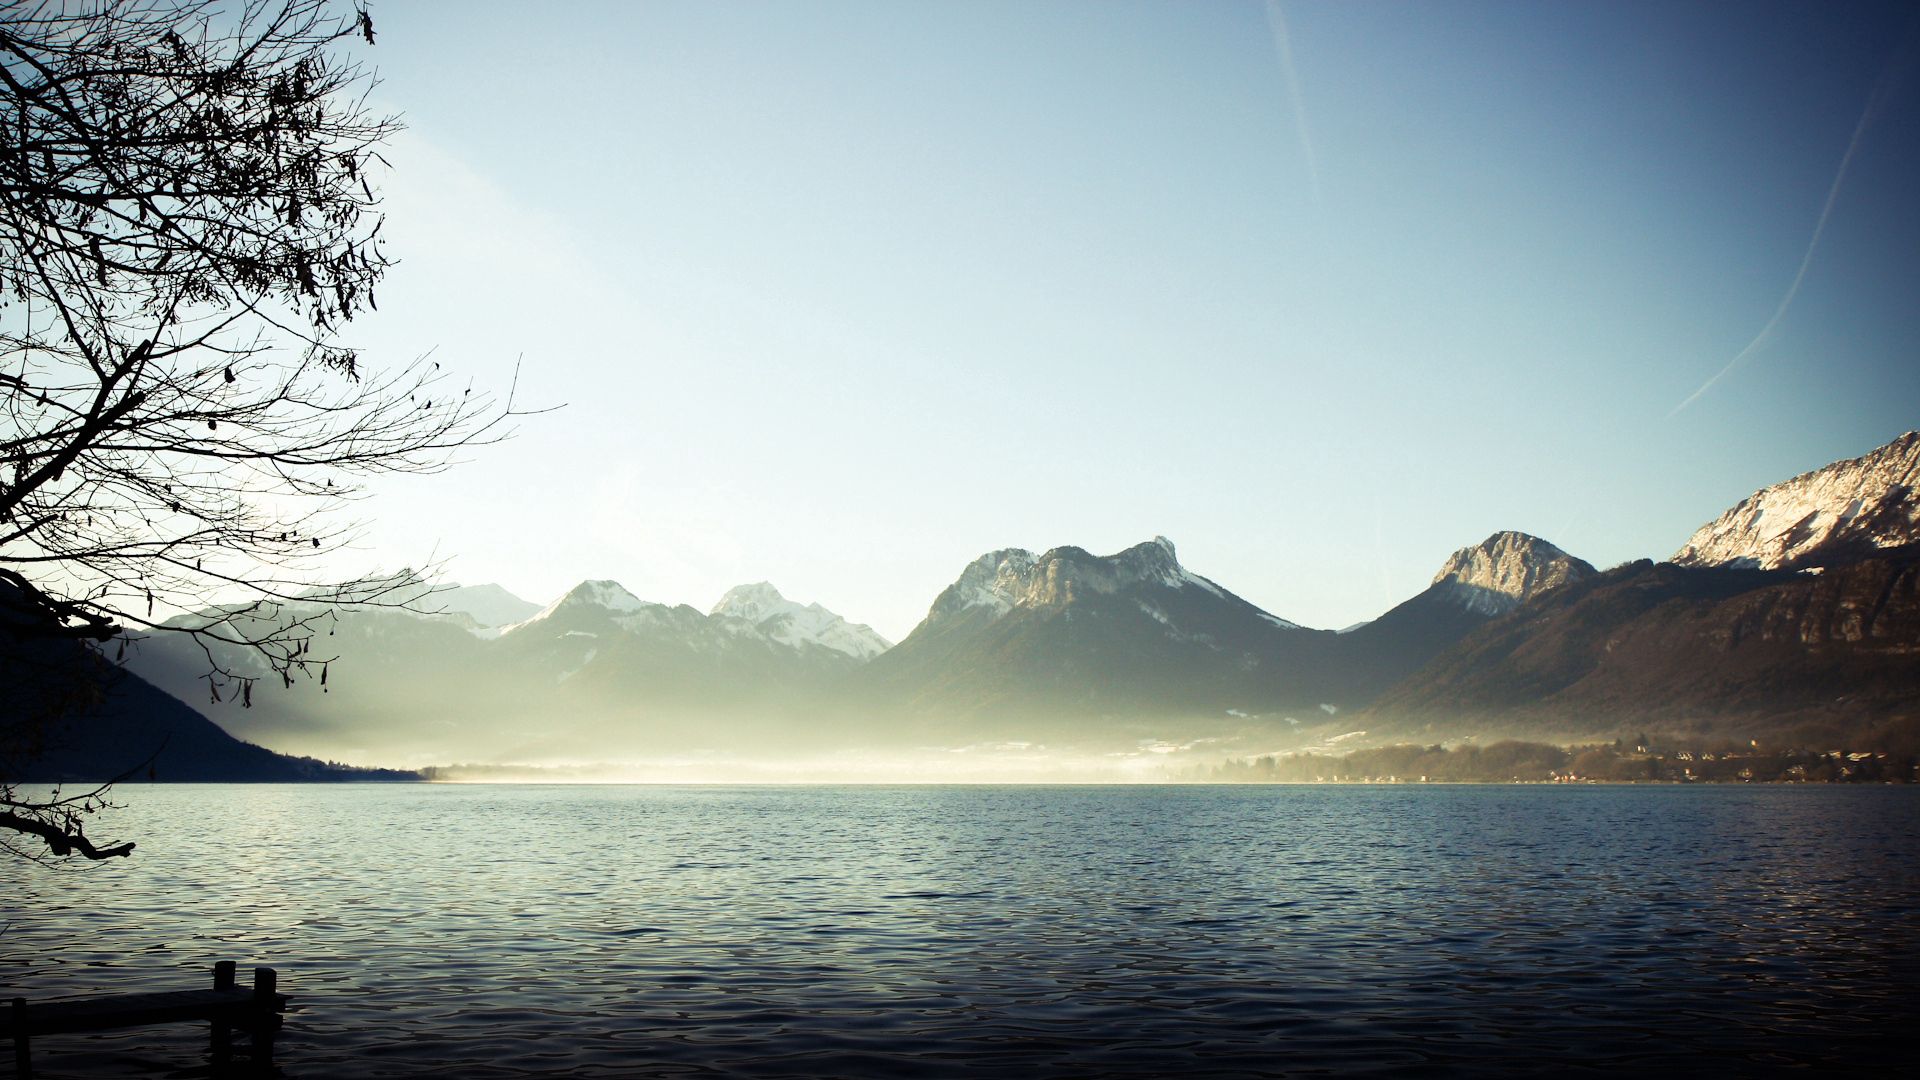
{"points": [[842, 295]]}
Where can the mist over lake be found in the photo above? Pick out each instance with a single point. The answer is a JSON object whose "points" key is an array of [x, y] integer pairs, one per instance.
{"points": [[503, 931], [675, 574]]}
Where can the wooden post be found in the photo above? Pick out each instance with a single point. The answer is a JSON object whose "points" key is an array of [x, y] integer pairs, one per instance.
{"points": [[221, 1037], [22, 1042], [226, 1006], [266, 983]]}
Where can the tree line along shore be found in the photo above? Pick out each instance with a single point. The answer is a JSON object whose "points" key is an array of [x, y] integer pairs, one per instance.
{"points": [[1623, 761]]}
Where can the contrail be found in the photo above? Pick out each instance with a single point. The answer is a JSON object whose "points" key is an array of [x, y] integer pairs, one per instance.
{"points": [[1876, 101], [1283, 47]]}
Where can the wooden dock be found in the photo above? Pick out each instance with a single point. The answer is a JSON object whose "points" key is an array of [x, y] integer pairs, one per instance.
{"points": [[227, 1006]]}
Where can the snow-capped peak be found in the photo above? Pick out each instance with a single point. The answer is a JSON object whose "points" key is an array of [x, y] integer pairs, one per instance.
{"points": [[992, 581], [1505, 570], [752, 602], [797, 625], [1015, 577], [607, 594], [594, 599], [1158, 561], [1848, 508]]}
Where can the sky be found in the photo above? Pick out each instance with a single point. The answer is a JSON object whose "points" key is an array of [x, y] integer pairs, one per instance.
{"points": [[842, 295]]}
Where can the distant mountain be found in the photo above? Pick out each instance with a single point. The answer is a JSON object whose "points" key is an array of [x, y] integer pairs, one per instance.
{"points": [[1063, 642], [800, 626], [1728, 641], [1849, 509], [1504, 571], [749, 619], [392, 677], [489, 606], [614, 673], [1712, 652], [1068, 639], [597, 672], [577, 626], [1021, 638], [1795, 614], [1474, 586]]}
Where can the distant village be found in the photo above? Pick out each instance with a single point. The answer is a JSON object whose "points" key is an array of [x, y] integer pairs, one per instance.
{"points": [[1625, 761]]}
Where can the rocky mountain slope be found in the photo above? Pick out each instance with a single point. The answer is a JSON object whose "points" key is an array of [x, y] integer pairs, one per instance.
{"points": [[1849, 509], [1475, 585], [1701, 652], [1067, 641], [1793, 617], [1020, 639], [1504, 571]]}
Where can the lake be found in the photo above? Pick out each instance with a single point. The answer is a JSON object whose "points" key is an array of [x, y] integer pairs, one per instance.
{"points": [[507, 931]]}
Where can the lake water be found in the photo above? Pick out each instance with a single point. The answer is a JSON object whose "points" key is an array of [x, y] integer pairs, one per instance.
{"points": [[504, 931]]}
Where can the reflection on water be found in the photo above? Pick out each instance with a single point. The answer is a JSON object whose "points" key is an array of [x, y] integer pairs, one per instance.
{"points": [[799, 931]]}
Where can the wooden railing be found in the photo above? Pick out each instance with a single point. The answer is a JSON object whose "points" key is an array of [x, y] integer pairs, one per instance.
{"points": [[227, 1006]]}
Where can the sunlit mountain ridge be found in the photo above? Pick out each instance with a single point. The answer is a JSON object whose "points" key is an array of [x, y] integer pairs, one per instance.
{"points": [[1133, 654], [1103, 653], [1793, 618]]}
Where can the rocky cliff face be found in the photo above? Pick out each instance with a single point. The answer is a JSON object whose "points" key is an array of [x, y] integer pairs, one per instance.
{"points": [[1845, 511], [1136, 633], [1476, 584], [1797, 657], [1504, 571], [1793, 617], [1067, 633], [1000, 581]]}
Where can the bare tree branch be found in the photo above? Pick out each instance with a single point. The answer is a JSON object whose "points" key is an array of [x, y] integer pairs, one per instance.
{"points": [[59, 841], [188, 220]]}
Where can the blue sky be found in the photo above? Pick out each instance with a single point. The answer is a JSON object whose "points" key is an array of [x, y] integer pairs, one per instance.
{"points": [[842, 295]]}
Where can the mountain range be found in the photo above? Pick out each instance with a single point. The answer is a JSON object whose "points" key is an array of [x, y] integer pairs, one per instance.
{"points": [[1793, 617], [596, 671], [1795, 614]]}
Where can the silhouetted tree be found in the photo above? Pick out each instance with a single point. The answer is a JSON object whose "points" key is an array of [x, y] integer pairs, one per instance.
{"points": [[187, 222]]}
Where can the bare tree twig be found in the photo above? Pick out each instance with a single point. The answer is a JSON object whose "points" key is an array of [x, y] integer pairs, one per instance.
{"points": [[188, 220]]}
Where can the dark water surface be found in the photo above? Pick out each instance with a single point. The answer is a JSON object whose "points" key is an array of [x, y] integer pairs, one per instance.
{"points": [[1020, 931]]}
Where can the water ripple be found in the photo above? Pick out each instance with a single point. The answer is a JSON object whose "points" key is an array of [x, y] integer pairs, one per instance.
{"points": [[1069, 932]]}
